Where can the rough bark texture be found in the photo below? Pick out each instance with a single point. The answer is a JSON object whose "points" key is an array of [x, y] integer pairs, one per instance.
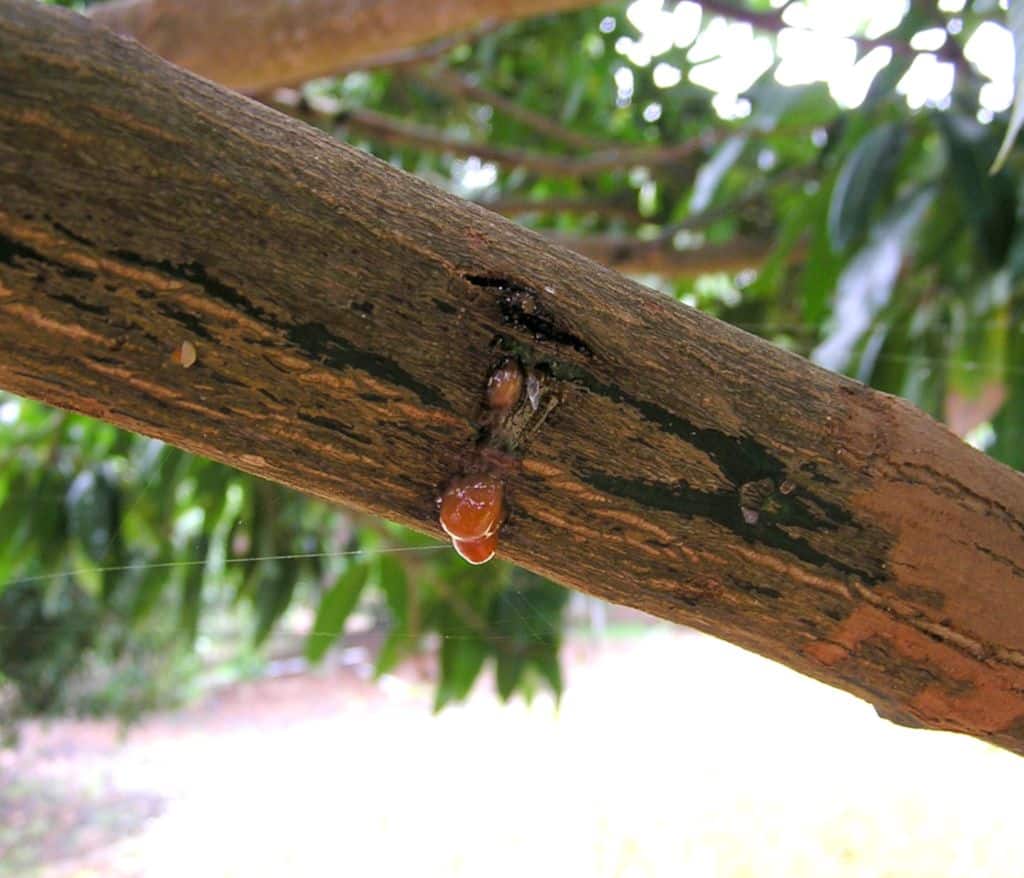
{"points": [[345, 317], [253, 45]]}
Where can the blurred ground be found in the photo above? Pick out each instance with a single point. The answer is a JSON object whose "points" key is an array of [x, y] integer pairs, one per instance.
{"points": [[671, 754]]}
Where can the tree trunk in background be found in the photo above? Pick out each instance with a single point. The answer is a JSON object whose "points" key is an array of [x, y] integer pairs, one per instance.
{"points": [[254, 45], [345, 317]]}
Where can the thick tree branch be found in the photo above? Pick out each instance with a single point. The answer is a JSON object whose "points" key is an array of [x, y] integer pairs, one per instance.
{"points": [[346, 317], [255, 45]]}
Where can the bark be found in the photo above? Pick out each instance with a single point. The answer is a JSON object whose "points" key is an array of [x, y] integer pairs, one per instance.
{"points": [[253, 45], [345, 317]]}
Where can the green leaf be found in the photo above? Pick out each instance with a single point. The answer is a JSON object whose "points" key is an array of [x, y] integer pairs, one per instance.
{"points": [[794, 225], [978, 346], [87, 573], [390, 653], [882, 362], [462, 657], [1009, 423], [93, 513], [789, 106], [1015, 22], [273, 595], [510, 670], [866, 284], [334, 609], [394, 584], [713, 170], [821, 268], [988, 203], [571, 104], [866, 175], [148, 590], [548, 666], [192, 596]]}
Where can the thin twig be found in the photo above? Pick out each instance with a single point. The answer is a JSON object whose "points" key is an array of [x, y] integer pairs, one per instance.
{"points": [[387, 129], [615, 208], [773, 22], [453, 84], [414, 56], [710, 215], [634, 256]]}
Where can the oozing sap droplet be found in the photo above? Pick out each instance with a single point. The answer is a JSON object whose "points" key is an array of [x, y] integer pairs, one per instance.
{"points": [[471, 514], [185, 354], [477, 551], [471, 506], [505, 386]]}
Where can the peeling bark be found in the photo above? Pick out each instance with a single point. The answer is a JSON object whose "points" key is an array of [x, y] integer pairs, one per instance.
{"points": [[345, 317]]}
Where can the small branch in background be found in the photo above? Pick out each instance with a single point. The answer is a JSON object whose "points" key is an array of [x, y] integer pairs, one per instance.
{"points": [[701, 220], [735, 208], [632, 256], [963, 413], [773, 23], [627, 254], [397, 132], [386, 129], [610, 208], [453, 84], [951, 50], [414, 56]]}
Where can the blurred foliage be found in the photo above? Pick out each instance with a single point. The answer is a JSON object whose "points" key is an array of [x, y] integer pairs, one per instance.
{"points": [[119, 548], [896, 257]]}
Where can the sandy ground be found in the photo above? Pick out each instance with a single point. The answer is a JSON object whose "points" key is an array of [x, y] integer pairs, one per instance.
{"points": [[671, 754]]}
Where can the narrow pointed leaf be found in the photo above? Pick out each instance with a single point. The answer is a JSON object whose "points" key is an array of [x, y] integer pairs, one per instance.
{"points": [[334, 609]]}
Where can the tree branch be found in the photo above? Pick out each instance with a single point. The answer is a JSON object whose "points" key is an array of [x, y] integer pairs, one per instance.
{"points": [[382, 128], [256, 45], [346, 317], [415, 56], [773, 23], [613, 208], [632, 256], [451, 83]]}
